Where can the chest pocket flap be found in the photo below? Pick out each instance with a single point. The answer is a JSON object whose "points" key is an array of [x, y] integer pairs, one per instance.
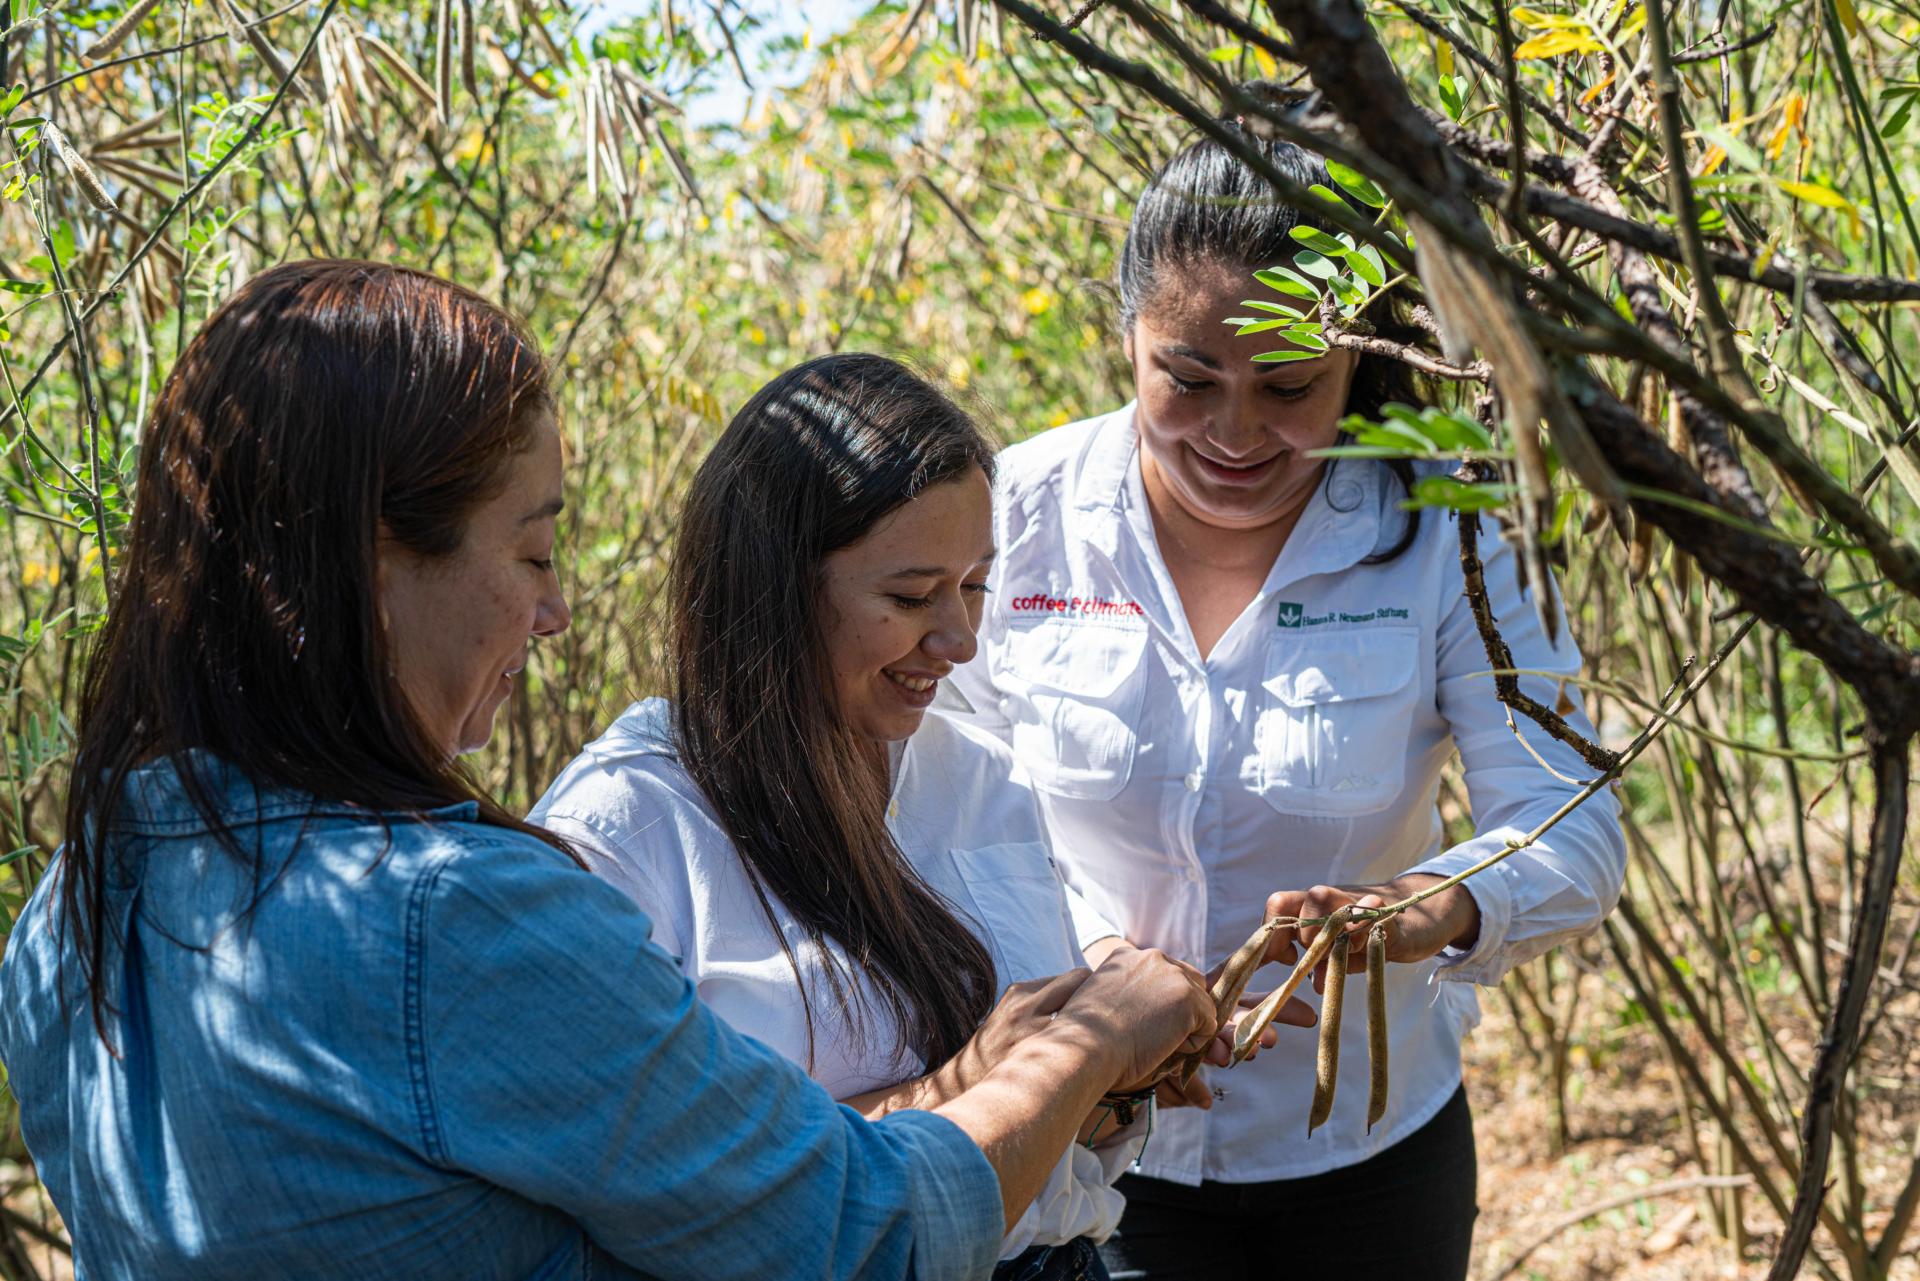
{"points": [[1073, 692], [1090, 659], [1342, 666], [1333, 738]]}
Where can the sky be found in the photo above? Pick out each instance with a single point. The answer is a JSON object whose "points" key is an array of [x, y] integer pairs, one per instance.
{"points": [[726, 102]]}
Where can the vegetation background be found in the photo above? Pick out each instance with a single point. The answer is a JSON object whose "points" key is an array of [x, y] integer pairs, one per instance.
{"points": [[687, 197]]}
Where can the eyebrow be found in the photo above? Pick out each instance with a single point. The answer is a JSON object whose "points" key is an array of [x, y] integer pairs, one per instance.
{"points": [[552, 507], [922, 571], [1199, 357]]}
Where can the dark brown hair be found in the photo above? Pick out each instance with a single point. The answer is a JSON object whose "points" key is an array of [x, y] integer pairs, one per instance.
{"points": [[323, 402], [812, 463]]}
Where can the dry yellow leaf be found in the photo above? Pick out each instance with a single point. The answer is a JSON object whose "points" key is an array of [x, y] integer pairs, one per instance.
{"points": [[1555, 43]]}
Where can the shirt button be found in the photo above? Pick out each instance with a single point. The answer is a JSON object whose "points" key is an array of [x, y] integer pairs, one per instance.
{"points": [[1195, 780], [1193, 874]]}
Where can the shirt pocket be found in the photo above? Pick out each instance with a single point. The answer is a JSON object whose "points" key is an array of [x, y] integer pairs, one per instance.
{"points": [[1333, 738], [1019, 903], [1074, 697]]}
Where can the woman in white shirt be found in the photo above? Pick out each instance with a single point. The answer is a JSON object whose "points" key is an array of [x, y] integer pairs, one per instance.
{"points": [[1234, 672], [843, 876]]}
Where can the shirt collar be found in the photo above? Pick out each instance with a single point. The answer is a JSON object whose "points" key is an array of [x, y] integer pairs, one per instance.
{"points": [[1340, 527], [157, 800], [1100, 495]]}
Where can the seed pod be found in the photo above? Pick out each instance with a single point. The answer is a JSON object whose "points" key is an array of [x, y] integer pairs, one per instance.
{"points": [[443, 62], [1326, 1070], [120, 30], [1250, 1028], [1376, 1024], [133, 131], [469, 74], [412, 80], [83, 175], [1240, 967]]}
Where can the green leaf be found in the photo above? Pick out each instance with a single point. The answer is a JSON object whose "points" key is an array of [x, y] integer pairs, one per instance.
{"points": [[1275, 357], [1316, 264], [1291, 283], [1356, 184], [1312, 341], [1445, 491], [1255, 326], [1898, 120], [1316, 239], [1349, 293], [1275, 308], [28, 287], [1367, 264], [1225, 53]]}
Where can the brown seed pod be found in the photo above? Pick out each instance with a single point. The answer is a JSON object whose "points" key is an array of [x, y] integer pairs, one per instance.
{"points": [[1326, 1070], [1248, 1034], [1376, 1024], [1240, 967], [119, 31], [443, 61], [469, 74], [402, 70], [83, 175]]}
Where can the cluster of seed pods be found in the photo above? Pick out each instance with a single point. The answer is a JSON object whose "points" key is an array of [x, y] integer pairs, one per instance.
{"points": [[1238, 971]]}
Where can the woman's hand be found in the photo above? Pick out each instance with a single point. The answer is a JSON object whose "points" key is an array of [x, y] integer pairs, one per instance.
{"points": [[1023, 1009], [1450, 918], [1144, 1006]]}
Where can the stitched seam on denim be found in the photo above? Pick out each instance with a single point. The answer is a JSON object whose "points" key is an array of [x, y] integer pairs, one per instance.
{"points": [[418, 1071]]}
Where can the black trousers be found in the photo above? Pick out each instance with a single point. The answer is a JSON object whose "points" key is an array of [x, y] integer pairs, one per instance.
{"points": [[1406, 1214]]}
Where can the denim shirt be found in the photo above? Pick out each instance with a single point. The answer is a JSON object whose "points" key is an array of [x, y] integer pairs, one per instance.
{"points": [[435, 1048]]}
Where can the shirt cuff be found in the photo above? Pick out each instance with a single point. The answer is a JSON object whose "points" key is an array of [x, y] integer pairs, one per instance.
{"points": [[1492, 892], [953, 1197]]}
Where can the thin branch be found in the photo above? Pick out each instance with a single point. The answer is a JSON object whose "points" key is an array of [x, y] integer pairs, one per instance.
{"points": [[1500, 657], [1838, 1042]]}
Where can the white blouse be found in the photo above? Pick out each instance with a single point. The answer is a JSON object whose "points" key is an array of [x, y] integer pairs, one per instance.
{"points": [[966, 819], [1179, 792]]}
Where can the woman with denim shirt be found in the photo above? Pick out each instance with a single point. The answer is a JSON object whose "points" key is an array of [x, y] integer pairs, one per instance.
{"points": [[297, 1000]]}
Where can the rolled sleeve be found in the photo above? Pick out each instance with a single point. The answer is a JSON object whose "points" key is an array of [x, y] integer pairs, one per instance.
{"points": [[1492, 892], [954, 1197], [1562, 885]]}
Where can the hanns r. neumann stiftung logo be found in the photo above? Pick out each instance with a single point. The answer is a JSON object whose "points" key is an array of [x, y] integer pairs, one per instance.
{"points": [[1293, 614]]}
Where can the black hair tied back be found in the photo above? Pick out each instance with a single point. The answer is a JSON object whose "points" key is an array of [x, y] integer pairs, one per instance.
{"points": [[1208, 205]]}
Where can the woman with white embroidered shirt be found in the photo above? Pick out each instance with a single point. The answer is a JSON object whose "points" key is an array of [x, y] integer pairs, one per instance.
{"points": [[1234, 671], [844, 877]]}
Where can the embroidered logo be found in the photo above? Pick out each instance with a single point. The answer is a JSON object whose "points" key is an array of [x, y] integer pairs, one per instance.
{"points": [[1294, 614], [1084, 606]]}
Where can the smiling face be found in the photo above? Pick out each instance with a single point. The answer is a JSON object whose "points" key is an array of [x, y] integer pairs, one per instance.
{"points": [[458, 625], [1223, 439], [903, 604]]}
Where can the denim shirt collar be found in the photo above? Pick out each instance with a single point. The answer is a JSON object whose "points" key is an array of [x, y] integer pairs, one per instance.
{"points": [[157, 802]]}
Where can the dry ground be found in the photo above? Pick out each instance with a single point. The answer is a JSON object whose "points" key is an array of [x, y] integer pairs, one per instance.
{"points": [[1625, 1134]]}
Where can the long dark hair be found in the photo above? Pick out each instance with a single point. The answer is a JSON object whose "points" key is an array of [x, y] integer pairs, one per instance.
{"points": [[323, 401], [812, 463], [1207, 205]]}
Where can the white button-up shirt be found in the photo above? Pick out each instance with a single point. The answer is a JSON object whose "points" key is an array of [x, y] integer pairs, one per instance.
{"points": [[966, 820], [1305, 749]]}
